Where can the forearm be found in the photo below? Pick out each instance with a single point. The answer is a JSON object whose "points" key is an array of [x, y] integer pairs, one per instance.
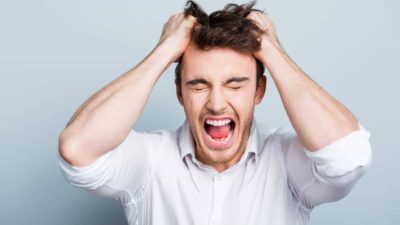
{"points": [[316, 116], [105, 119]]}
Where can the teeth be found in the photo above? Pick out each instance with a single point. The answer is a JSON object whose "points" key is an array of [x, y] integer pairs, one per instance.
{"points": [[218, 123]]}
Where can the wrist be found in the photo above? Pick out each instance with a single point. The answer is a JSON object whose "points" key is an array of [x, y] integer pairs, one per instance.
{"points": [[159, 59], [172, 49], [167, 51], [267, 51]]}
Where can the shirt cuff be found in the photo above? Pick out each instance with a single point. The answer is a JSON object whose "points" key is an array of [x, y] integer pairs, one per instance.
{"points": [[91, 176], [343, 155]]}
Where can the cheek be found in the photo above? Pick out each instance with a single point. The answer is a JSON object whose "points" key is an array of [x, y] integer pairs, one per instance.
{"points": [[242, 108], [193, 102], [242, 100]]}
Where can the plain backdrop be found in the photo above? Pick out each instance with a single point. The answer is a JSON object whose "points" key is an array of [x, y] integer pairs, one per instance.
{"points": [[55, 54]]}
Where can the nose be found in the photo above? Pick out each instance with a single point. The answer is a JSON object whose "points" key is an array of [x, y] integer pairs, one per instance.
{"points": [[217, 102]]}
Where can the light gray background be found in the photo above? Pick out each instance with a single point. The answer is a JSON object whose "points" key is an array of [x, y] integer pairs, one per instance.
{"points": [[55, 54]]}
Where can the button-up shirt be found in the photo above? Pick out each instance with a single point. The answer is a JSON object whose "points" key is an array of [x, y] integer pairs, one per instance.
{"points": [[158, 180]]}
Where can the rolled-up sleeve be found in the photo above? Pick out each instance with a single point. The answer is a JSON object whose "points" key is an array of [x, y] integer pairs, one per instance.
{"points": [[329, 173], [119, 173], [92, 176]]}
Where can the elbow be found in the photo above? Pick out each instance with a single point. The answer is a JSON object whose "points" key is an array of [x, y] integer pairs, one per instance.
{"points": [[67, 149], [71, 152]]}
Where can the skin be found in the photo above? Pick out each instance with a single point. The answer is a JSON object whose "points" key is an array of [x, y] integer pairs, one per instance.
{"points": [[317, 117], [96, 127], [205, 90]]}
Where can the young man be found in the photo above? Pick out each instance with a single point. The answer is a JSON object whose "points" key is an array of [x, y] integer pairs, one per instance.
{"points": [[220, 166]]}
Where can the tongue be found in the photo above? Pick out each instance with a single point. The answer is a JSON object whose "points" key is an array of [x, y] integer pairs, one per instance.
{"points": [[218, 131]]}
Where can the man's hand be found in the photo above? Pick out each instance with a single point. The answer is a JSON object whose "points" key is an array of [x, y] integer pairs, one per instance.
{"points": [[118, 105], [176, 33], [269, 39], [318, 118]]}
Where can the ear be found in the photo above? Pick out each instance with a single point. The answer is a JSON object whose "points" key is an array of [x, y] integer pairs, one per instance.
{"points": [[260, 91], [179, 93]]}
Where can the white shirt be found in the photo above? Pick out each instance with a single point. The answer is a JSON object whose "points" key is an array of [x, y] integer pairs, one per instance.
{"points": [[157, 179]]}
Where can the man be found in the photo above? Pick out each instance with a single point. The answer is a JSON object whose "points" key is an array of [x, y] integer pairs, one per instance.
{"points": [[220, 166]]}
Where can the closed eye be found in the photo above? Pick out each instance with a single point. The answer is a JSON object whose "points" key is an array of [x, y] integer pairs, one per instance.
{"points": [[236, 88], [198, 88], [235, 83], [197, 85]]}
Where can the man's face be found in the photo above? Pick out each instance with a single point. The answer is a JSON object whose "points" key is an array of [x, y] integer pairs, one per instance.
{"points": [[218, 92]]}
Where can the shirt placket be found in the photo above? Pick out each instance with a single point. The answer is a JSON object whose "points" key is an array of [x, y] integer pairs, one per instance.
{"points": [[218, 183]]}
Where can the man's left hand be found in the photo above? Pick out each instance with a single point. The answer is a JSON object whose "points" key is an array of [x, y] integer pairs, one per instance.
{"points": [[269, 39]]}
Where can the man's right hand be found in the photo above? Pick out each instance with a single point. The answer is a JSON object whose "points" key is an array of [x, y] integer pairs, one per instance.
{"points": [[105, 119], [176, 33]]}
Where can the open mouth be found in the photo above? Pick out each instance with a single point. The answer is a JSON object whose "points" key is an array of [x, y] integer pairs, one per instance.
{"points": [[219, 132]]}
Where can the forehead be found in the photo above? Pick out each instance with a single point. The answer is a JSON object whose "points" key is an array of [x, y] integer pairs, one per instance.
{"points": [[216, 64]]}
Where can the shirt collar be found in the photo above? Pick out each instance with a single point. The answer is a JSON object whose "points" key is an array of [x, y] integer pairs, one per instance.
{"points": [[187, 147]]}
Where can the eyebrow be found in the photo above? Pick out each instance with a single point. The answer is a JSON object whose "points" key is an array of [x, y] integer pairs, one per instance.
{"points": [[196, 81], [236, 79], [230, 80]]}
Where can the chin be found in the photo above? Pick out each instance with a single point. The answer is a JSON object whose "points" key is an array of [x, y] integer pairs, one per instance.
{"points": [[224, 152]]}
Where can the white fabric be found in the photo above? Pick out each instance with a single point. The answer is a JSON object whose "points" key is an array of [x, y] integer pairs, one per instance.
{"points": [[158, 180]]}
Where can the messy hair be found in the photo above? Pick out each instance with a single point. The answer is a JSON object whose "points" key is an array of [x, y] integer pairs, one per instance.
{"points": [[228, 28]]}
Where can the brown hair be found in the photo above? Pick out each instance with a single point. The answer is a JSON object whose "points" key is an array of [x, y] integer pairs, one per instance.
{"points": [[228, 27]]}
